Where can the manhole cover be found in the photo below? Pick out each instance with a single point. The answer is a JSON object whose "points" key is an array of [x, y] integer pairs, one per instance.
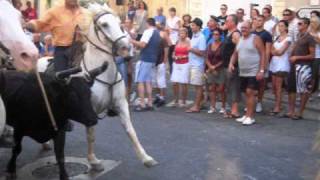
{"points": [[51, 171]]}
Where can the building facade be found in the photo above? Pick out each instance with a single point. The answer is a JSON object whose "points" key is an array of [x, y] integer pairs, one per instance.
{"points": [[197, 8]]}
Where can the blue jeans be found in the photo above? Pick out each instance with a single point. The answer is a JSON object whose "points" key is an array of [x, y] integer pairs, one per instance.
{"points": [[122, 66]]}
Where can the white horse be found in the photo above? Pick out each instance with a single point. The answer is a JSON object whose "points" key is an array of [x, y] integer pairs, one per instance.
{"points": [[13, 37], [105, 38]]}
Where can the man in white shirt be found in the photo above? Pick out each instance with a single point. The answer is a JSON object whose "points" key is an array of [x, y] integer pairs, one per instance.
{"points": [[149, 45], [240, 15], [197, 63], [269, 22], [290, 16]]}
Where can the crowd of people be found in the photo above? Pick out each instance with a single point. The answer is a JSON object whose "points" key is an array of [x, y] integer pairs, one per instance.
{"points": [[229, 56]]}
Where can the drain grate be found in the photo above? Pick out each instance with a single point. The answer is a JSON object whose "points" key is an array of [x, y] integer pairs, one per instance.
{"points": [[51, 171]]}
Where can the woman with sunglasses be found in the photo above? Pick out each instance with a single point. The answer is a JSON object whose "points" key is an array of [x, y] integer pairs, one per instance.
{"points": [[280, 65], [215, 76]]}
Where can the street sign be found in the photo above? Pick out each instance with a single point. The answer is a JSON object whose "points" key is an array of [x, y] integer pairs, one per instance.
{"points": [[305, 11]]}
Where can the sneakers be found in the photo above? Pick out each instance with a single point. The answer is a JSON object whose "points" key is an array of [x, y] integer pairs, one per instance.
{"points": [[156, 100], [173, 104], [222, 111], [240, 120], [248, 121], [259, 107], [160, 103], [212, 110]]}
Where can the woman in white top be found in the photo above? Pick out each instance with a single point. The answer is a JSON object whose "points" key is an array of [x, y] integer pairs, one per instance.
{"points": [[140, 18], [280, 65], [315, 33], [173, 26]]}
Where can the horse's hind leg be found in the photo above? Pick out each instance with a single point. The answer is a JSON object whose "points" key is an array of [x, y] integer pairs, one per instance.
{"points": [[59, 142], [124, 113], [16, 150], [93, 160]]}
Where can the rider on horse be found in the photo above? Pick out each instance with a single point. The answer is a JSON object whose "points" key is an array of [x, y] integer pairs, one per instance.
{"points": [[61, 21]]}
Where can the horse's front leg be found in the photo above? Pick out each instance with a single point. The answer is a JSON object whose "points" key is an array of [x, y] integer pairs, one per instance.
{"points": [[93, 160], [59, 143], [124, 113], [16, 150]]}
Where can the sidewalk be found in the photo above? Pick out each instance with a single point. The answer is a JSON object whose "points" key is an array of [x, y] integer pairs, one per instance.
{"points": [[311, 112]]}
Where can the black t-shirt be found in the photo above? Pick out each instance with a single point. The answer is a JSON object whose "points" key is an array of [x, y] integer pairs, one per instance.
{"points": [[264, 35], [227, 49], [222, 20]]}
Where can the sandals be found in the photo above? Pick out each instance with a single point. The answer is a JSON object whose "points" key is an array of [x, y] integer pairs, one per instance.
{"points": [[274, 113], [296, 117], [192, 111], [231, 116], [285, 116]]}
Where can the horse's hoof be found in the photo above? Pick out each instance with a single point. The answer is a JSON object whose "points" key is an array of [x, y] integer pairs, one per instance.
{"points": [[98, 167], [11, 176], [150, 163]]}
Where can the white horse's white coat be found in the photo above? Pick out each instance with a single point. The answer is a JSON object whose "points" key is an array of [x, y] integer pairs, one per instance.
{"points": [[14, 38], [2, 116], [101, 98]]}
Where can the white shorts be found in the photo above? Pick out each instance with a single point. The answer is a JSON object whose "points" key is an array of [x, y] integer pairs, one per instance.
{"points": [[196, 76], [180, 73], [159, 76]]}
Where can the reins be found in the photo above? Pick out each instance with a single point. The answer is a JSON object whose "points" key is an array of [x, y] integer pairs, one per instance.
{"points": [[113, 53]]}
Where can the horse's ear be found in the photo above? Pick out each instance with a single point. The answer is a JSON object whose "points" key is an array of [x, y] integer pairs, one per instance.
{"points": [[94, 7], [107, 8]]}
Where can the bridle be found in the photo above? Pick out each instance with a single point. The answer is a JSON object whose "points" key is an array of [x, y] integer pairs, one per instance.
{"points": [[113, 53]]}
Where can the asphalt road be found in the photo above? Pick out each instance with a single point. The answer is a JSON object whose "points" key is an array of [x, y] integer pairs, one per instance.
{"points": [[197, 147]]}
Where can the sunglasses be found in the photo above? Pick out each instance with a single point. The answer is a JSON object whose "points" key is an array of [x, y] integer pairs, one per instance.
{"points": [[286, 14], [222, 8], [216, 34]]}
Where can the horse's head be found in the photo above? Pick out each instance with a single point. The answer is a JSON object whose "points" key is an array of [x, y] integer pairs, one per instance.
{"points": [[107, 29], [12, 35]]}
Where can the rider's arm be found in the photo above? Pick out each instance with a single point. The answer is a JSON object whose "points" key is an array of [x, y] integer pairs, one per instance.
{"points": [[44, 24]]}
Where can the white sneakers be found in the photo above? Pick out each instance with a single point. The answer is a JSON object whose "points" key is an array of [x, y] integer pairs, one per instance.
{"points": [[222, 110], [240, 120], [259, 107], [246, 120], [212, 110]]}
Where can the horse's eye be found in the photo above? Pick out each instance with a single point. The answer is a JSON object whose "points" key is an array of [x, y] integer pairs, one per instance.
{"points": [[104, 25]]}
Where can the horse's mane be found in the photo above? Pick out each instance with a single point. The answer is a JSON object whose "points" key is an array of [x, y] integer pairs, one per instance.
{"points": [[91, 9]]}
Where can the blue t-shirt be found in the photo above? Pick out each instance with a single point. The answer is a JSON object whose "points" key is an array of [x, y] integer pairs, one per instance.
{"points": [[208, 35], [198, 41], [161, 19], [264, 35]]}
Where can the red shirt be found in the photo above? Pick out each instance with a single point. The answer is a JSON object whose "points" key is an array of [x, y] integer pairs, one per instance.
{"points": [[30, 13], [181, 51]]}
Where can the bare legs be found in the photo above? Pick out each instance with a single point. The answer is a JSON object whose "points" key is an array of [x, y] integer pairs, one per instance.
{"points": [[214, 89], [277, 82], [141, 91], [197, 103], [176, 92], [250, 102]]}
